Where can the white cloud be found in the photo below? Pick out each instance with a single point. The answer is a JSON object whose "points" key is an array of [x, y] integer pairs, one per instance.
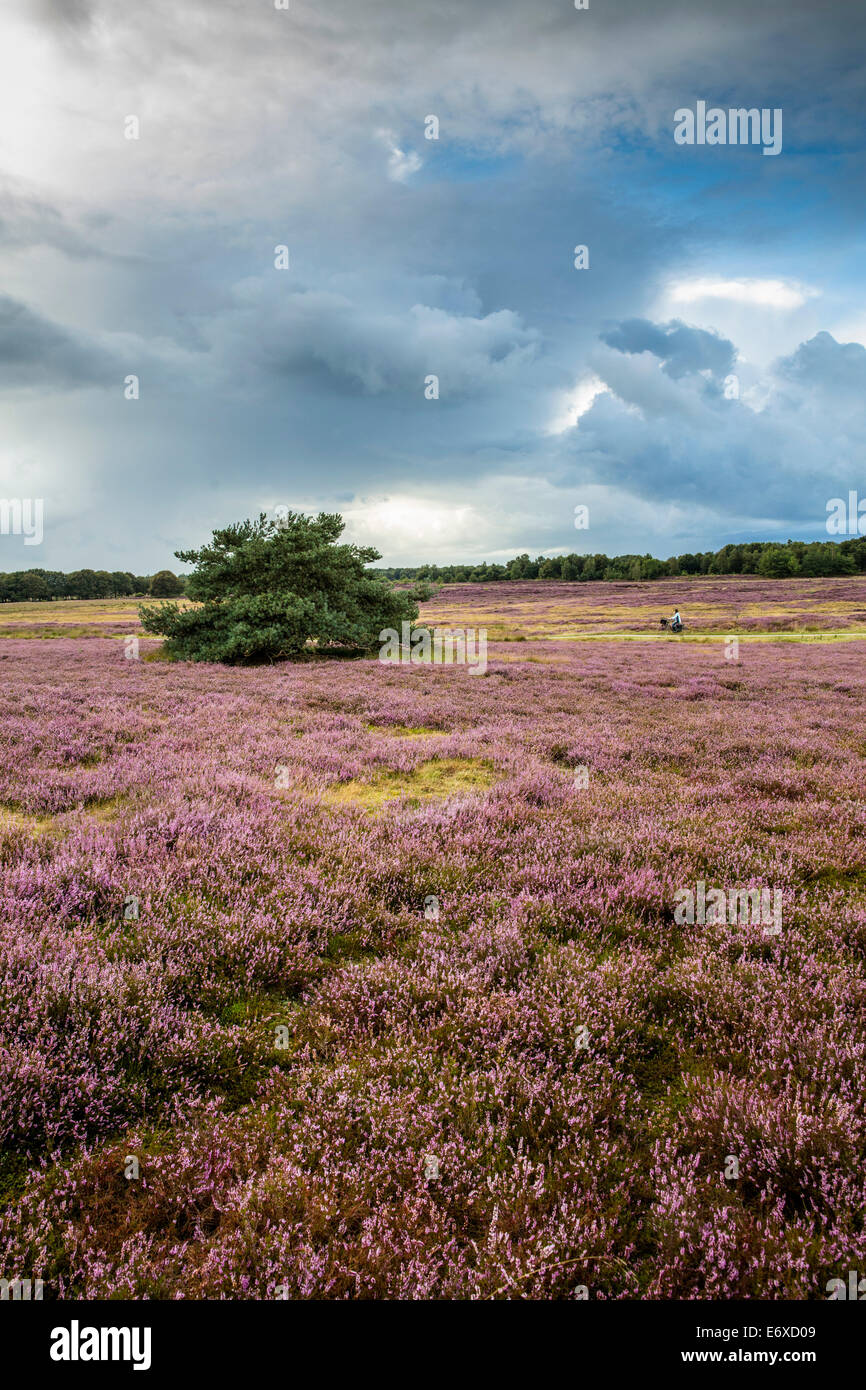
{"points": [[401, 525], [498, 517], [570, 405], [401, 163], [768, 294]]}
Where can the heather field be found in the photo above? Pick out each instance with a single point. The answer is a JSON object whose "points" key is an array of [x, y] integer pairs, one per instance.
{"points": [[542, 609], [342, 980], [712, 605]]}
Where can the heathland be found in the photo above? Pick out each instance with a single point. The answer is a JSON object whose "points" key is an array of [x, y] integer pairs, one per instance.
{"points": [[340, 979]]}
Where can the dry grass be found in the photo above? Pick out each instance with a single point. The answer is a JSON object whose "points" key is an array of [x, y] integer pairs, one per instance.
{"points": [[75, 617], [432, 781], [95, 813], [73, 610], [406, 731], [34, 826]]}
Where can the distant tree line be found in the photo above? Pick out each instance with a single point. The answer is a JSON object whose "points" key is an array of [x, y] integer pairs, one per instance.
{"points": [[810, 559], [769, 559], [53, 584]]}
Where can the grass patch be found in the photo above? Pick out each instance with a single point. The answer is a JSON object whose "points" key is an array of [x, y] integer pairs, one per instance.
{"points": [[99, 812], [407, 730], [11, 820], [431, 781], [853, 635]]}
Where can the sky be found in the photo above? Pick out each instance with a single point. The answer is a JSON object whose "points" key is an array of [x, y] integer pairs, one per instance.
{"points": [[701, 381]]}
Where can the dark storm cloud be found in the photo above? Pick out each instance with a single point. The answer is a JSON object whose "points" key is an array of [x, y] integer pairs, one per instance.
{"points": [[37, 353], [781, 456], [413, 257], [379, 351], [680, 348]]}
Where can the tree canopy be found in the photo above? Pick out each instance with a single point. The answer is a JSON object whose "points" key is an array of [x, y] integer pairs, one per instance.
{"points": [[165, 584], [268, 590]]}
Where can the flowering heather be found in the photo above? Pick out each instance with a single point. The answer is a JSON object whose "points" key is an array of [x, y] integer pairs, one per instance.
{"points": [[230, 979]]}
